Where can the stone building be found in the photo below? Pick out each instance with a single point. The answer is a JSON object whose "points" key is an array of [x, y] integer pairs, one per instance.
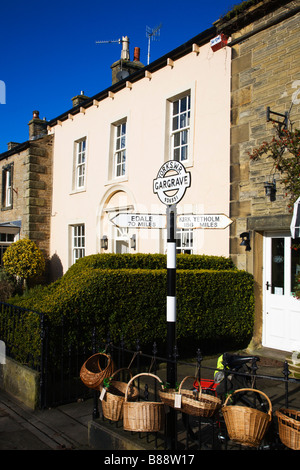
{"points": [[265, 87], [26, 188]]}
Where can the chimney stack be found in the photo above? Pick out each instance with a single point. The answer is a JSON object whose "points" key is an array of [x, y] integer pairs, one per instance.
{"points": [[37, 126], [124, 67], [79, 99]]}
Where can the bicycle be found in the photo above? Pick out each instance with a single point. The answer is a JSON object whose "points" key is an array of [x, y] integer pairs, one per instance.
{"points": [[233, 372]]}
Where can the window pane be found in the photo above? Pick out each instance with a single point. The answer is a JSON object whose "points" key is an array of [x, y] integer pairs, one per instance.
{"points": [[80, 162], [180, 123], [184, 153], [184, 241], [175, 123], [183, 121], [78, 242], [184, 137], [183, 105], [177, 139], [278, 266], [175, 107], [120, 152], [177, 154]]}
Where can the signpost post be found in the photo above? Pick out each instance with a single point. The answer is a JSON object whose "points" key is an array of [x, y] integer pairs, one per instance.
{"points": [[170, 186]]}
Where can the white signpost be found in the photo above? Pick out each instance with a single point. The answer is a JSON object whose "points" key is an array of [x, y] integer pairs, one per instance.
{"points": [[171, 188], [204, 221], [130, 220]]}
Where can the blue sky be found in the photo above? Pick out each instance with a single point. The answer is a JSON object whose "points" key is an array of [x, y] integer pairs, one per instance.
{"points": [[48, 50]]}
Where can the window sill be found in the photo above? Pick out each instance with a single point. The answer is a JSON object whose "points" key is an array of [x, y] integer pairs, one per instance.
{"points": [[76, 191], [121, 179]]}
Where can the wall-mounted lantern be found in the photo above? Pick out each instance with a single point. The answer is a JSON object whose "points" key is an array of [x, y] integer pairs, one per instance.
{"points": [[133, 242], [270, 189], [245, 240], [104, 242]]}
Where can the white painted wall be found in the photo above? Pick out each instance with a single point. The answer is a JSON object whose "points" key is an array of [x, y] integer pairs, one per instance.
{"points": [[207, 75]]}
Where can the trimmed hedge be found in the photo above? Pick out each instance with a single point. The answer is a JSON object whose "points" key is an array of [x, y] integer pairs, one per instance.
{"points": [[213, 305], [148, 261]]}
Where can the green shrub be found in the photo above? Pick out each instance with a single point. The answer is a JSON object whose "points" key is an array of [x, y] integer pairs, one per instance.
{"points": [[213, 306], [148, 261], [8, 286], [23, 259]]}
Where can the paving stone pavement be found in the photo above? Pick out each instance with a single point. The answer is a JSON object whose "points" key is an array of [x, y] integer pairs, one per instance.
{"points": [[61, 428]]}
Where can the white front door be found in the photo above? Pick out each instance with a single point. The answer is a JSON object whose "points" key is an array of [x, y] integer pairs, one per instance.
{"points": [[281, 316]]}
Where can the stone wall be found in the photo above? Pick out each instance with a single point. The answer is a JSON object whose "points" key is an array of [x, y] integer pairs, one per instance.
{"points": [[21, 382], [38, 193], [32, 190], [265, 73]]}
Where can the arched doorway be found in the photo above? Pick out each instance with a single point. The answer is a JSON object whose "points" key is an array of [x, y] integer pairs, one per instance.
{"points": [[117, 239]]}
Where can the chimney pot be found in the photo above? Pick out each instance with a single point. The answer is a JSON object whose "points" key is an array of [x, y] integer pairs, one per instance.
{"points": [[35, 115], [136, 54]]}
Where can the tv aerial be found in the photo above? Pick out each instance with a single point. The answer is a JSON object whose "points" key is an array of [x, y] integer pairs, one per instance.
{"points": [[152, 33], [125, 46], [123, 73]]}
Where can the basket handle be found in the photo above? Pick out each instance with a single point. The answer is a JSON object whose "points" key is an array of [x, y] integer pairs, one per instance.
{"points": [[108, 360], [190, 377], [138, 375], [119, 370], [251, 390]]}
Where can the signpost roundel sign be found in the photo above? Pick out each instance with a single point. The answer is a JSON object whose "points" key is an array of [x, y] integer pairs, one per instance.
{"points": [[171, 182]]}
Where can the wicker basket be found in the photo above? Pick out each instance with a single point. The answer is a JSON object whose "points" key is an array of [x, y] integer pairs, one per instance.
{"points": [[95, 369], [112, 402], [192, 402], [289, 427], [143, 416], [246, 426]]}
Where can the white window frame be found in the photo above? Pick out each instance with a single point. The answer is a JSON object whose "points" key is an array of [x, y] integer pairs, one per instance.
{"points": [[6, 239], [80, 164], [120, 150], [180, 130], [78, 242], [185, 241], [7, 190]]}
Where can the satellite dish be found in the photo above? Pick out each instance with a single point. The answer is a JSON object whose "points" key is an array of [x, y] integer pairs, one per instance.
{"points": [[122, 74]]}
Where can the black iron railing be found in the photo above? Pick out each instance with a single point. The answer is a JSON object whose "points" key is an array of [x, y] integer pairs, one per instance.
{"points": [[58, 350]]}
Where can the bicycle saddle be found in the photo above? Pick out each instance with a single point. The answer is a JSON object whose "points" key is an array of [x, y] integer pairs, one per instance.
{"points": [[234, 360]]}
